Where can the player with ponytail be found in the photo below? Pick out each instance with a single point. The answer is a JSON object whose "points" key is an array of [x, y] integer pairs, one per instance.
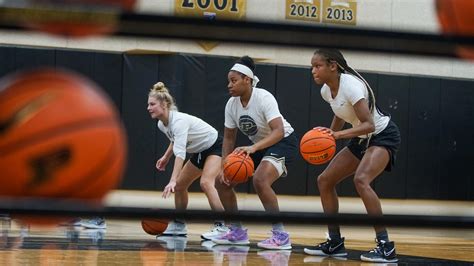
{"points": [[187, 134], [373, 142]]}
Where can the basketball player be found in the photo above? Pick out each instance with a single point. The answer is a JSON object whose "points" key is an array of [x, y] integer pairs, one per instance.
{"points": [[190, 134], [373, 142], [255, 113]]}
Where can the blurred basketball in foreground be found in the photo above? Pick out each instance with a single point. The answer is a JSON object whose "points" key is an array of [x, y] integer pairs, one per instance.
{"points": [[154, 226], [73, 18], [238, 168], [60, 137], [456, 17], [317, 147]]}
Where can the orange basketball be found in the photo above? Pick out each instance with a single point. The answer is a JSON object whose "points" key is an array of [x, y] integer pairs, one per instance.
{"points": [[317, 147], [238, 168], [455, 17], [60, 137], [154, 226], [75, 18]]}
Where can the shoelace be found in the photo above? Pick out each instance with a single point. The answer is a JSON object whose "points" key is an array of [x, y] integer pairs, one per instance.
{"points": [[328, 240], [378, 248]]}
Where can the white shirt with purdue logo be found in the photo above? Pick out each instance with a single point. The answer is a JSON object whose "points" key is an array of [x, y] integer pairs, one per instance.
{"points": [[253, 119], [351, 90]]}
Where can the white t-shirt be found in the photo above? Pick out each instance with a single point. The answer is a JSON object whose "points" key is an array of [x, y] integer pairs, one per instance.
{"points": [[188, 133], [351, 90], [253, 119]]}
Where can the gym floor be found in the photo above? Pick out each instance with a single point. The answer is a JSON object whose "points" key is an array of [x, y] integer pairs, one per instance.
{"points": [[125, 243]]}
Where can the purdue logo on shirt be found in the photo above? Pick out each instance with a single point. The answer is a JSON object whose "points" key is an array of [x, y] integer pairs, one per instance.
{"points": [[247, 125]]}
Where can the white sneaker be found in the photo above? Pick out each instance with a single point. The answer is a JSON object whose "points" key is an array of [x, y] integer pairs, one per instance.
{"points": [[94, 223], [175, 229], [217, 230], [176, 243]]}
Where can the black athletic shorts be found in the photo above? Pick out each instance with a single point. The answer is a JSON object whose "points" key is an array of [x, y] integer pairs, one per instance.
{"points": [[286, 149], [388, 138], [198, 159]]}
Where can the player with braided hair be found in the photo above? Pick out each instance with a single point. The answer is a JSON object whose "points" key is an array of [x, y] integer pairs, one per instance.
{"points": [[373, 142]]}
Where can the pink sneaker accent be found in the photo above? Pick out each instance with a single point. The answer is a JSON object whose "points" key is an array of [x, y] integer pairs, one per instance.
{"points": [[279, 240], [235, 236]]}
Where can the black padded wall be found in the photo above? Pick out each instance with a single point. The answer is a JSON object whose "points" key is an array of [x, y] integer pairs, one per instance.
{"points": [[292, 94], [457, 139], [393, 92], [194, 82], [423, 138], [216, 93], [30, 58], [107, 72], [7, 54], [78, 61], [139, 73]]}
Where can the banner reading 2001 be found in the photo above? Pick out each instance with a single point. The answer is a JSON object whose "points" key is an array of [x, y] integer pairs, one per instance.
{"points": [[227, 9]]}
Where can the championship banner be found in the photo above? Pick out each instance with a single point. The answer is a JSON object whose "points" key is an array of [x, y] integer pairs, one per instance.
{"points": [[211, 9], [308, 10], [340, 11], [325, 11]]}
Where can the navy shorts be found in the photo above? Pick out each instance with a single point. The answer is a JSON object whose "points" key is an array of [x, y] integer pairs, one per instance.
{"points": [[286, 149], [388, 138], [198, 159]]}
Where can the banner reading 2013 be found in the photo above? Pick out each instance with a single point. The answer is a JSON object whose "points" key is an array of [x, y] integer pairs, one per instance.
{"points": [[226, 9]]}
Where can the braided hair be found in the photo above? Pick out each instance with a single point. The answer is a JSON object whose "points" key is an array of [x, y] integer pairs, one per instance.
{"points": [[333, 55]]}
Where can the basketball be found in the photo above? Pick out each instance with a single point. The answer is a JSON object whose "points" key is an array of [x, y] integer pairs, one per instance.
{"points": [[317, 147], [238, 168], [455, 17], [74, 18], [154, 226], [60, 137]]}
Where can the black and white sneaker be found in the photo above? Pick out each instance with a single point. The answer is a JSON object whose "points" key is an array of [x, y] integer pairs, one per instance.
{"points": [[333, 248], [384, 252]]}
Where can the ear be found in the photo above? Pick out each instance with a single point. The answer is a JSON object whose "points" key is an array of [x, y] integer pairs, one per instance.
{"points": [[162, 104], [248, 80], [333, 66]]}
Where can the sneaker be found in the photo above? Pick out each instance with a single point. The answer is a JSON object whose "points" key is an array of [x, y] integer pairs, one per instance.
{"points": [[217, 230], [218, 257], [96, 235], [175, 228], [73, 234], [383, 252], [279, 240], [230, 255], [208, 244], [276, 257], [94, 223], [235, 236], [331, 248], [176, 243], [72, 223]]}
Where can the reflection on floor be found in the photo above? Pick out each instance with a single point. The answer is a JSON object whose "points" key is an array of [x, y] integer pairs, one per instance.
{"points": [[123, 243]]}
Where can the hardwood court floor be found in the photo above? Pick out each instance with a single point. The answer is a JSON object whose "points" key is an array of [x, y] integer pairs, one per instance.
{"points": [[125, 243]]}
